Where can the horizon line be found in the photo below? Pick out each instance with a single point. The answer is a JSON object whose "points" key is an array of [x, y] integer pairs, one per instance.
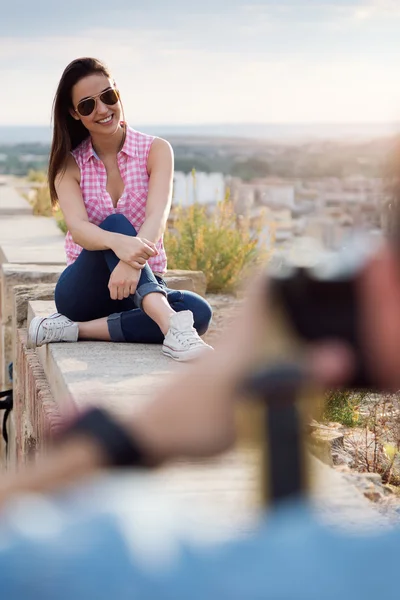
{"points": [[229, 124]]}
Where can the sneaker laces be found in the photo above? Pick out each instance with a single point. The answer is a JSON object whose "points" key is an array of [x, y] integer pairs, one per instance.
{"points": [[54, 330], [189, 337]]}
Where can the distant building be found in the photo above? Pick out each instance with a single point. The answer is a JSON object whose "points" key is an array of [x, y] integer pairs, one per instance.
{"points": [[278, 195], [36, 158], [204, 188]]}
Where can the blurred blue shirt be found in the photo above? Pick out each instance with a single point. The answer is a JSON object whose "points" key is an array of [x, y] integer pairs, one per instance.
{"points": [[81, 547]]}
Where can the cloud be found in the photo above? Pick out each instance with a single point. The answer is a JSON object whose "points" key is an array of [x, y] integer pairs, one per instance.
{"points": [[259, 28], [164, 85], [209, 61], [24, 18], [377, 9]]}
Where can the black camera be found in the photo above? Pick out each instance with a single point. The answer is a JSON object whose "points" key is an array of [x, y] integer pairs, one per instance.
{"points": [[320, 302]]}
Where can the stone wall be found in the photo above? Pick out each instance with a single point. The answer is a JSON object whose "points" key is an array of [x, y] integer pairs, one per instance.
{"points": [[35, 415], [12, 275]]}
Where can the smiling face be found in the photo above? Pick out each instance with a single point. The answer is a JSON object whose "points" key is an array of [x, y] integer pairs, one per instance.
{"points": [[105, 119]]}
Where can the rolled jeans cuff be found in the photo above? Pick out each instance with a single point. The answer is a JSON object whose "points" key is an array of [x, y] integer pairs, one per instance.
{"points": [[147, 288], [115, 328]]}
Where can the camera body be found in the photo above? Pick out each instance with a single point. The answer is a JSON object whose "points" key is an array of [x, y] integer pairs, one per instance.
{"points": [[321, 302]]}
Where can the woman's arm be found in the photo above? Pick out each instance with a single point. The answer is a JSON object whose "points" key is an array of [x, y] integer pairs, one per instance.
{"points": [[160, 166], [134, 251], [69, 194]]}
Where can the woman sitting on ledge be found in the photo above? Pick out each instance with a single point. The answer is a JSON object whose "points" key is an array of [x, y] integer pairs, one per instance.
{"points": [[114, 187]]}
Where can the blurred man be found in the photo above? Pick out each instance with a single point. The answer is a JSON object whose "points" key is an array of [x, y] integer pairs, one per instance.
{"points": [[86, 553]]}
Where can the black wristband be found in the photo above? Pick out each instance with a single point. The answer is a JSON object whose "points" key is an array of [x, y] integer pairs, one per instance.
{"points": [[119, 446]]}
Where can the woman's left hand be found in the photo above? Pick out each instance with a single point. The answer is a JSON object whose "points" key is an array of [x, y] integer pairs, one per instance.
{"points": [[123, 281]]}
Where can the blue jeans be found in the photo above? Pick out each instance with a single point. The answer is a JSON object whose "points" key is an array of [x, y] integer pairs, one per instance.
{"points": [[82, 294]]}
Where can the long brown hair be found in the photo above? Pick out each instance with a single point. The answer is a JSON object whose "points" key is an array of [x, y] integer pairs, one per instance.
{"points": [[68, 133]]}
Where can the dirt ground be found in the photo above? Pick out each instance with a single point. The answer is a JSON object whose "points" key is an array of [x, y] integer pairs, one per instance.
{"points": [[224, 307]]}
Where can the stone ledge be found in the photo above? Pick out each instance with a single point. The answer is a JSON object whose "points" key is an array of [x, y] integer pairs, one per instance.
{"points": [[35, 413], [119, 376], [178, 279], [11, 275], [22, 295]]}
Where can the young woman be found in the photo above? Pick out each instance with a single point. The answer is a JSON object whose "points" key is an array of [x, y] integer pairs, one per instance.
{"points": [[114, 187]]}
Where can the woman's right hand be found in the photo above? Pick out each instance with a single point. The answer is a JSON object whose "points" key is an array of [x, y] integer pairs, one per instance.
{"points": [[134, 251], [123, 281]]}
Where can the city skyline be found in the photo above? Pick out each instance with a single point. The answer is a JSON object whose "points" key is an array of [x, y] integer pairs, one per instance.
{"points": [[221, 62]]}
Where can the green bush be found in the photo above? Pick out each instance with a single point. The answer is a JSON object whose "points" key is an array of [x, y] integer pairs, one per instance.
{"points": [[341, 406], [41, 201], [59, 217], [219, 244], [37, 176]]}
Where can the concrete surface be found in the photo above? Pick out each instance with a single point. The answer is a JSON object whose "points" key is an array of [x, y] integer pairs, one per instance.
{"points": [[31, 240], [12, 203], [117, 375]]}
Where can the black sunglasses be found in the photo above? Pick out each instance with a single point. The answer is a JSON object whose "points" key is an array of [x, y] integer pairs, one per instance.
{"points": [[87, 106]]}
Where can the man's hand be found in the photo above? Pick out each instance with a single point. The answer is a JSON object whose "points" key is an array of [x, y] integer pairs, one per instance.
{"points": [[123, 281], [134, 251]]}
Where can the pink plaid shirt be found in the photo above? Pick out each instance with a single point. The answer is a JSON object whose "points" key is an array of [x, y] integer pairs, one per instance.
{"points": [[132, 163]]}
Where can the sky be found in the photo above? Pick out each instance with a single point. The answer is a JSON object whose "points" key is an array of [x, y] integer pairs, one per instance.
{"points": [[212, 61]]}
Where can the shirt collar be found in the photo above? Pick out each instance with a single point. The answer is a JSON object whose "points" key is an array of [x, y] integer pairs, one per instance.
{"points": [[130, 145], [87, 149], [129, 148]]}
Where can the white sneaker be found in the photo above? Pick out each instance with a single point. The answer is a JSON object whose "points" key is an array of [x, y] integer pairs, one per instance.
{"points": [[182, 341], [55, 328]]}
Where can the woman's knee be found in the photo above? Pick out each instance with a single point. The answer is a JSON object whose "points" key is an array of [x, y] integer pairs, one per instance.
{"points": [[65, 304], [119, 224], [79, 310], [202, 313], [81, 292]]}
